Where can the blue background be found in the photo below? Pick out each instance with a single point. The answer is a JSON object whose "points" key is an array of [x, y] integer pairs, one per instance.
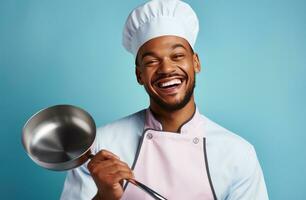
{"points": [[69, 52]]}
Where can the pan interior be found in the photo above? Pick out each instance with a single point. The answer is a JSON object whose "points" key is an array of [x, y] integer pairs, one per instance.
{"points": [[58, 137]]}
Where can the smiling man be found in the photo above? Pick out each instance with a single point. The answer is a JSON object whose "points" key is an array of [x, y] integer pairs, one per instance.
{"points": [[166, 67], [170, 147]]}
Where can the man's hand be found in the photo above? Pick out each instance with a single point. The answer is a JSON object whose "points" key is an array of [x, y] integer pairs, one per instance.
{"points": [[108, 173]]}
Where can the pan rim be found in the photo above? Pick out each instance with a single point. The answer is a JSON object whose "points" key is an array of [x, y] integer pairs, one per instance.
{"points": [[66, 165]]}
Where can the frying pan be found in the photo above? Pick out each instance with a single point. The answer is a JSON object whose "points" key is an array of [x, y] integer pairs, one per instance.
{"points": [[60, 138]]}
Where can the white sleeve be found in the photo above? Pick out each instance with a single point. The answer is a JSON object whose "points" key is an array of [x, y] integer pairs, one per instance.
{"points": [[79, 185], [249, 182]]}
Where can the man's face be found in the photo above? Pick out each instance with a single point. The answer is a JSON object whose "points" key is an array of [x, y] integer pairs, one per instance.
{"points": [[166, 67]]}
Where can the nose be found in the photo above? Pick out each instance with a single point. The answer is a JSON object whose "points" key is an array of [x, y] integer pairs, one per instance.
{"points": [[166, 66]]}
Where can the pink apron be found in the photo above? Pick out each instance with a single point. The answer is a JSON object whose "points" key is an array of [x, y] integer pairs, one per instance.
{"points": [[173, 165]]}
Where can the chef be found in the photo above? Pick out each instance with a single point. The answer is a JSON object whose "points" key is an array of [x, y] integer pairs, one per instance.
{"points": [[170, 146]]}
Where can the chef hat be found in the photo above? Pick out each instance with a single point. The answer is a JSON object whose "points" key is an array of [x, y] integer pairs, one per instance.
{"points": [[158, 18]]}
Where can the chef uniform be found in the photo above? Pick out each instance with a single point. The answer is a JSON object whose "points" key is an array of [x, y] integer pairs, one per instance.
{"points": [[202, 161]]}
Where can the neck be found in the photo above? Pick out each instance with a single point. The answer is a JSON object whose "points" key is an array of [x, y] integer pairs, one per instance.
{"points": [[172, 120]]}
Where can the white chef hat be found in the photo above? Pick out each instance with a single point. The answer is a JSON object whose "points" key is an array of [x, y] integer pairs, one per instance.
{"points": [[158, 18]]}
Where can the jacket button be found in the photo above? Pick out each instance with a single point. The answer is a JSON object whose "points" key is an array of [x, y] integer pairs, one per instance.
{"points": [[196, 140], [149, 136]]}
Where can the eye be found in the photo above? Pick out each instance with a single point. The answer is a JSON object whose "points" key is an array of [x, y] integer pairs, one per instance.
{"points": [[178, 56], [151, 62]]}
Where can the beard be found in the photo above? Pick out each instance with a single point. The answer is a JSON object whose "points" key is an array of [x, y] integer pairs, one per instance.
{"points": [[177, 105]]}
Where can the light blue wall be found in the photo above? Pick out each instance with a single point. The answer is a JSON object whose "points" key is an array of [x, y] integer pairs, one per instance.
{"points": [[252, 82]]}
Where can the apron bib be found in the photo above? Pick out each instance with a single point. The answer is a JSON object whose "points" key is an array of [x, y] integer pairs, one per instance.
{"points": [[173, 165]]}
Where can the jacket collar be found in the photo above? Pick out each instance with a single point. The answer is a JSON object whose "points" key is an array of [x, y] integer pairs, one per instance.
{"points": [[194, 124]]}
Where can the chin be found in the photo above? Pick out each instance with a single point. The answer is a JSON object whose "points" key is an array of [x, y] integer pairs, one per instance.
{"points": [[171, 105], [174, 103]]}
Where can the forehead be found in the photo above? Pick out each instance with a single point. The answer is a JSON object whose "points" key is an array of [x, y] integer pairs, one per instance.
{"points": [[163, 43]]}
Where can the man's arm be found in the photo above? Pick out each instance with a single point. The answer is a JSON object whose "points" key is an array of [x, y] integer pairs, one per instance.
{"points": [[107, 172], [249, 183]]}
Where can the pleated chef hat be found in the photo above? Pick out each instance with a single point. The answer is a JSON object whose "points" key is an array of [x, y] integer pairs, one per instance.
{"points": [[158, 18]]}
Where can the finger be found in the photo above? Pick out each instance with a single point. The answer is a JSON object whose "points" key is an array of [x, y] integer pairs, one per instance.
{"points": [[109, 167], [116, 168], [106, 163], [132, 180], [110, 179], [107, 154], [104, 155], [120, 176]]}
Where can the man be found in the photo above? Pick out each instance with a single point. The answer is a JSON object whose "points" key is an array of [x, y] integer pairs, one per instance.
{"points": [[170, 147]]}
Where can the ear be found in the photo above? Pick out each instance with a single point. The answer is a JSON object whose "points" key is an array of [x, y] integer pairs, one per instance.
{"points": [[196, 63], [138, 75]]}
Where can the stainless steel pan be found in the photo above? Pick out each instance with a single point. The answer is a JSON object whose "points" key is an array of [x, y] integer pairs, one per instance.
{"points": [[60, 138]]}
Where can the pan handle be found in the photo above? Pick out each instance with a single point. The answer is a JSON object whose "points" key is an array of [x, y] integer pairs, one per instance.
{"points": [[148, 190]]}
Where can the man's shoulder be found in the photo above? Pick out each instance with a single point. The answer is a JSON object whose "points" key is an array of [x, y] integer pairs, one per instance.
{"points": [[128, 128], [121, 136], [233, 163], [225, 137], [132, 121], [229, 148]]}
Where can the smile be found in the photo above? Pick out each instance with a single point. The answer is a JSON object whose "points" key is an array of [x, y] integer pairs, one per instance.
{"points": [[169, 85]]}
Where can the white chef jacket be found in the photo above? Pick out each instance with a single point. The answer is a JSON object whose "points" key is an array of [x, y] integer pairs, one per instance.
{"points": [[233, 167]]}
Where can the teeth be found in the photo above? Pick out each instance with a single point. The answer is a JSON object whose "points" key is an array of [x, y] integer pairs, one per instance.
{"points": [[171, 82]]}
